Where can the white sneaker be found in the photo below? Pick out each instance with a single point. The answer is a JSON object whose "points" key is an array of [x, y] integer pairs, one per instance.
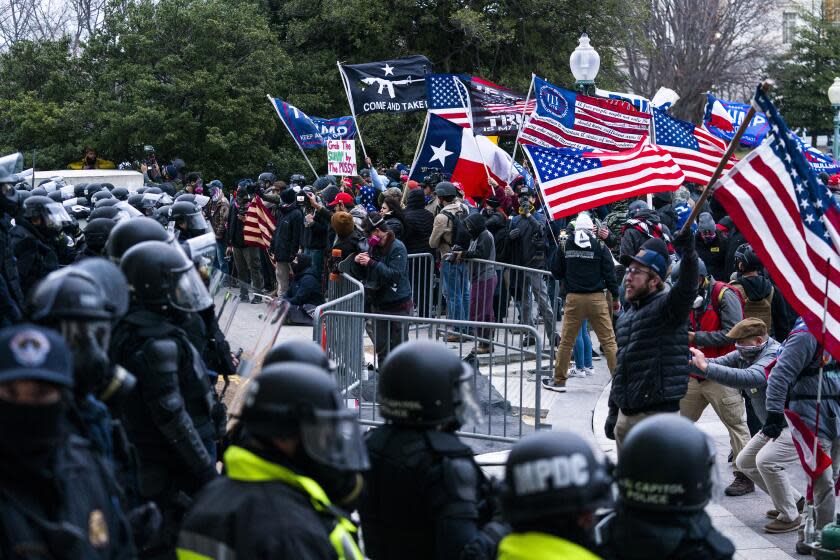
{"points": [[590, 371], [574, 372]]}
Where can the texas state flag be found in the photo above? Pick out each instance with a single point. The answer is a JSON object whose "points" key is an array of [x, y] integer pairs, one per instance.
{"points": [[457, 154], [717, 115]]}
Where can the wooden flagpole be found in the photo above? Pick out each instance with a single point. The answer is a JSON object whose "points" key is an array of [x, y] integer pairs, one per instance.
{"points": [[519, 128], [765, 86]]}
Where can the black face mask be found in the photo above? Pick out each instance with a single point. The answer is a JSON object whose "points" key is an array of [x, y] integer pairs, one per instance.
{"points": [[37, 431]]}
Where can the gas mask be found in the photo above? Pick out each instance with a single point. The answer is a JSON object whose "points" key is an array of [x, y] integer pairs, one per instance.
{"points": [[89, 342]]}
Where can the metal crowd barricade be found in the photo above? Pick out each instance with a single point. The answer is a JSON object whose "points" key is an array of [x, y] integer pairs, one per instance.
{"points": [[346, 294], [500, 379], [520, 295], [421, 275]]}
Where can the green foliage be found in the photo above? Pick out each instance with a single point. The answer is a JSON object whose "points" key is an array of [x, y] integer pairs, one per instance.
{"points": [[191, 76], [804, 74]]}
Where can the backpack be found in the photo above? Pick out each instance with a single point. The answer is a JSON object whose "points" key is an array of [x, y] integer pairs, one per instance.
{"points": [[459, 234]]}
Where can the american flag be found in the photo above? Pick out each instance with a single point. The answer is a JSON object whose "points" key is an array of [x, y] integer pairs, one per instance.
{"points": [[575, 180], [563, 118], [792, 222], [259, 224], [449, 98], [695, 150]]}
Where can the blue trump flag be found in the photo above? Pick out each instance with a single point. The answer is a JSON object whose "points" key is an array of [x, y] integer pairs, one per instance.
{"points": [[755, 133], [313, 132]]}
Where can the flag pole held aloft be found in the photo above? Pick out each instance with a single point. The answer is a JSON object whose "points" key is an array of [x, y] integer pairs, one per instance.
{"points": [[733, 145]]}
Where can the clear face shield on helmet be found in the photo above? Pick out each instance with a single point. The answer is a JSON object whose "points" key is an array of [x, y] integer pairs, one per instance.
{"points": [[55, 216], [333, 438], [187, 291], [126, 211], [467, 409]]}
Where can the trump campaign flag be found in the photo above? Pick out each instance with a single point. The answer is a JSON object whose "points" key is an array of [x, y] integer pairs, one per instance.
{"points": [[575, 180], [497, 110], [564, 118], [722, 118], [792, 222], [460, 156], [695, 150], [303, 129], [339, 128]]}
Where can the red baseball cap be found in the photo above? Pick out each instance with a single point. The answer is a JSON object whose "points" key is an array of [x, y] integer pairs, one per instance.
{"points": [[342, 198]]}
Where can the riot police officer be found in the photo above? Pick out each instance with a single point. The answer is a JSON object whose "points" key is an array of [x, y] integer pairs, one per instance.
{"points": [[299, 457], [57, 497], [554, 482], [169, 415], [38, 243], [665, 474], [127, 234], [188, 220], [424, 493], [11, 295], [96, 236]]}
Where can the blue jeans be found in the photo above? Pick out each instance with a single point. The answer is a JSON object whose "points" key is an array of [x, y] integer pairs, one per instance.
{"points": [[583, 347], [219, 262], [457, 292]]}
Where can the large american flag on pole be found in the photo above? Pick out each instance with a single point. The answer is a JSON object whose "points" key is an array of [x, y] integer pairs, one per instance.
{"points": [[449, 98], [792, 223], [695, 150], [575, 180], [564, 118]]}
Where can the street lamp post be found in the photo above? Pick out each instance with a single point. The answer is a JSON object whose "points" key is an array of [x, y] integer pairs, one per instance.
{"points": [[585, 63], [834, 98]]}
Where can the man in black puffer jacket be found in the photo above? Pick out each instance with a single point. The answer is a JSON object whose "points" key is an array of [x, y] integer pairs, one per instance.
{"points": [[419, 222], [652, 371]]}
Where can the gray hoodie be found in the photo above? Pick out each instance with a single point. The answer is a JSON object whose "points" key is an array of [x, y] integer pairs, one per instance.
{"points": [[733, 371], [798, 353]]}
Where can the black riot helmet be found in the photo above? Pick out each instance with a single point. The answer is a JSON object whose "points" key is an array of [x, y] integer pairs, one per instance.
{"points": [[68, 293], [297, 179], [80, 190], [131, 232], [103, 202], [162, 214], [55, 196], [266, 179], [100, 195], [112, 281], [107, 212], [73, 301], [666, 464], [550, 474], [188, 219], [39, 191], [298, 350], [135, 200], [153, 190], [92, 189], [97, 232], [120, 193], [294, 399], [185, 197], [53, 215], [161, 276], [744, 255], [445, 398]]}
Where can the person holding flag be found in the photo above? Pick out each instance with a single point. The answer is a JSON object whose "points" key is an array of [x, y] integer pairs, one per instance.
{"points": [[795, 376]]}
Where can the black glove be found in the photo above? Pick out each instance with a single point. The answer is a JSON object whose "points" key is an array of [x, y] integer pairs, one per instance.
{"points": [[684, 240], [145, 522], [774, 425], [612, 419]]}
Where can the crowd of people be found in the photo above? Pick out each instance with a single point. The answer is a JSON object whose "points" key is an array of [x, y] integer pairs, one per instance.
{"points": [[114, 428]]}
